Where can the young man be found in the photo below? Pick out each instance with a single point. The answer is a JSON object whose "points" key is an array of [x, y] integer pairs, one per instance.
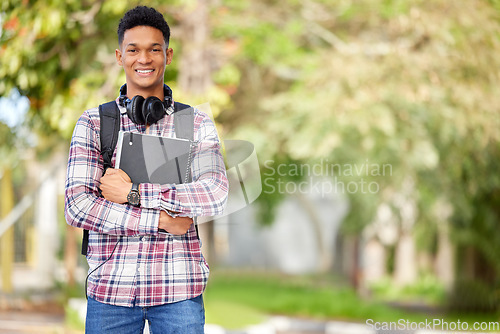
{"points": [[136, 272]]}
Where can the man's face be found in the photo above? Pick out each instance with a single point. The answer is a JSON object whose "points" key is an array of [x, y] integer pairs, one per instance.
{"points": [[143, 55]]}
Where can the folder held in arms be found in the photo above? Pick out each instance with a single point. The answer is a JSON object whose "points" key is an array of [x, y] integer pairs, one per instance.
{"points": [[153, 159]]}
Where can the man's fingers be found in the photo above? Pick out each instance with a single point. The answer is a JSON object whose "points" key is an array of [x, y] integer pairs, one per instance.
{"points": [[183, 220], [123, 175], [119, 172], [111, 171], [116, 175]]}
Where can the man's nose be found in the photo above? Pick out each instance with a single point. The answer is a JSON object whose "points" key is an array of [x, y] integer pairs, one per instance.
{"points": [[144, 57]]}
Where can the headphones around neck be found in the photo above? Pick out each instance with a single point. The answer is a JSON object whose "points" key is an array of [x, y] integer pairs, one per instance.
{"points": [[145, 111]]}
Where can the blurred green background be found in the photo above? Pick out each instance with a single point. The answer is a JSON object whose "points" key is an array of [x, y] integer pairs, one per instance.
{"points": [[343, 87]]}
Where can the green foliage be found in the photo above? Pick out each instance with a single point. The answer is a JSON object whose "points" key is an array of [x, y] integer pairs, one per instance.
{"points": [[231, 315], [473, 296], [11, 142], [51, 51], [301, 297], [426, 291], [228, 75], [6, 135], [275, 175], [391, 82], [73, 320]]}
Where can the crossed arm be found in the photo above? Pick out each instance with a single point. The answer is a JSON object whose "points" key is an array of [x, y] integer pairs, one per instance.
{"points": [[167, 207], [115, 186]]}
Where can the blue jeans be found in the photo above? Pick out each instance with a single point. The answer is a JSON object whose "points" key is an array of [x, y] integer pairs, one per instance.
{"points": [[187, 316]]}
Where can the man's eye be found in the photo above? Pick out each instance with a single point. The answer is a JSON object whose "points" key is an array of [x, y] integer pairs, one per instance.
{"points": [[156, 50], [132, 50]]}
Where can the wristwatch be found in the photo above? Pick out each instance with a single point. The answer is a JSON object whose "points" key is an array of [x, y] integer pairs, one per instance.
{"points": [[134, 197]]}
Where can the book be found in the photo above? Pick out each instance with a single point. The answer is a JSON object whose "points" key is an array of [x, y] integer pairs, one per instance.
{"points": [[153, 159]]}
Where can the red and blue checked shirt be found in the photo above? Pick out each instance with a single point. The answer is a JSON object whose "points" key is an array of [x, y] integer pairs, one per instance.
{"points": [[147, 268]]}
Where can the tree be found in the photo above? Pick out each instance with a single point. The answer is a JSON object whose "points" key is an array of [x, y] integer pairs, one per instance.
{"points": [[392, 83]]}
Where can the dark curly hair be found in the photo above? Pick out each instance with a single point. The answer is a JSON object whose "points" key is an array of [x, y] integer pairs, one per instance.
{"points": [[143, 16]]}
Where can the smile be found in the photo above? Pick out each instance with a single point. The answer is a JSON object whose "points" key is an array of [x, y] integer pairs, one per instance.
{"points": [[144, 71]]}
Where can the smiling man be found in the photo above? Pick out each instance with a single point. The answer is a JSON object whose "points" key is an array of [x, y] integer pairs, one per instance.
{"points": [[137, 272]]}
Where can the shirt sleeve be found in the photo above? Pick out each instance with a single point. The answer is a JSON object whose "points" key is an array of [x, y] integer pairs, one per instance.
{"points": [[84, 208], [207, 194]]}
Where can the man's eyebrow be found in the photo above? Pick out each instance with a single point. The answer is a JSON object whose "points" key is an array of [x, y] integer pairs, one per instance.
{"points": [[135, 45]]}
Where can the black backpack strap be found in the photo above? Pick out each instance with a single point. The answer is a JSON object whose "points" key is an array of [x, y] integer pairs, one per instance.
{"points": [[109, 116], [85, 242]]}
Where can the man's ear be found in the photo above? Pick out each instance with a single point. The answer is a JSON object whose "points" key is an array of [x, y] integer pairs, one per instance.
{"points": [[118, 55], [170, 55]]}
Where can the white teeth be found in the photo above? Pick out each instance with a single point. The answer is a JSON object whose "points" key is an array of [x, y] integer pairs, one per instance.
{"points": [[144, 71]]}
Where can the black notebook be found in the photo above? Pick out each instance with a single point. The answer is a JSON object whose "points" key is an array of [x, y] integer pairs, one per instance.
{"points": [[153, 159]]}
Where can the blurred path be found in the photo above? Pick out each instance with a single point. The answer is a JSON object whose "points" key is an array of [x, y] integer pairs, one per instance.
{"points": [[285, 325], [17, 322]]}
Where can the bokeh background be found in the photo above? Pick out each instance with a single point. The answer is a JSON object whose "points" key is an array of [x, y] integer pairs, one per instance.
{"points": [[376, 126]]}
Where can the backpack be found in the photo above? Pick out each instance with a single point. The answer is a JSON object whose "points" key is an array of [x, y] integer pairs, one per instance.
{"points": [[109, 115]]}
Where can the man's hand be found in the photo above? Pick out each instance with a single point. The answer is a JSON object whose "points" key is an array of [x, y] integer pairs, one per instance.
{"points": [[177, 226], [115, 185]]}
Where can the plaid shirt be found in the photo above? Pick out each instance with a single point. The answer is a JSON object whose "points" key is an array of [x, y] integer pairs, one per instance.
{"points": [[147, 268]]}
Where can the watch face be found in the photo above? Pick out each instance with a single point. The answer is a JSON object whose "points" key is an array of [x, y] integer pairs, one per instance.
{"points": [[133, 198]]}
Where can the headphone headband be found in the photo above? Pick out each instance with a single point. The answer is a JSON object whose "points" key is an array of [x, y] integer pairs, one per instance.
{"points": [[145, 111], [167, 96]]}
